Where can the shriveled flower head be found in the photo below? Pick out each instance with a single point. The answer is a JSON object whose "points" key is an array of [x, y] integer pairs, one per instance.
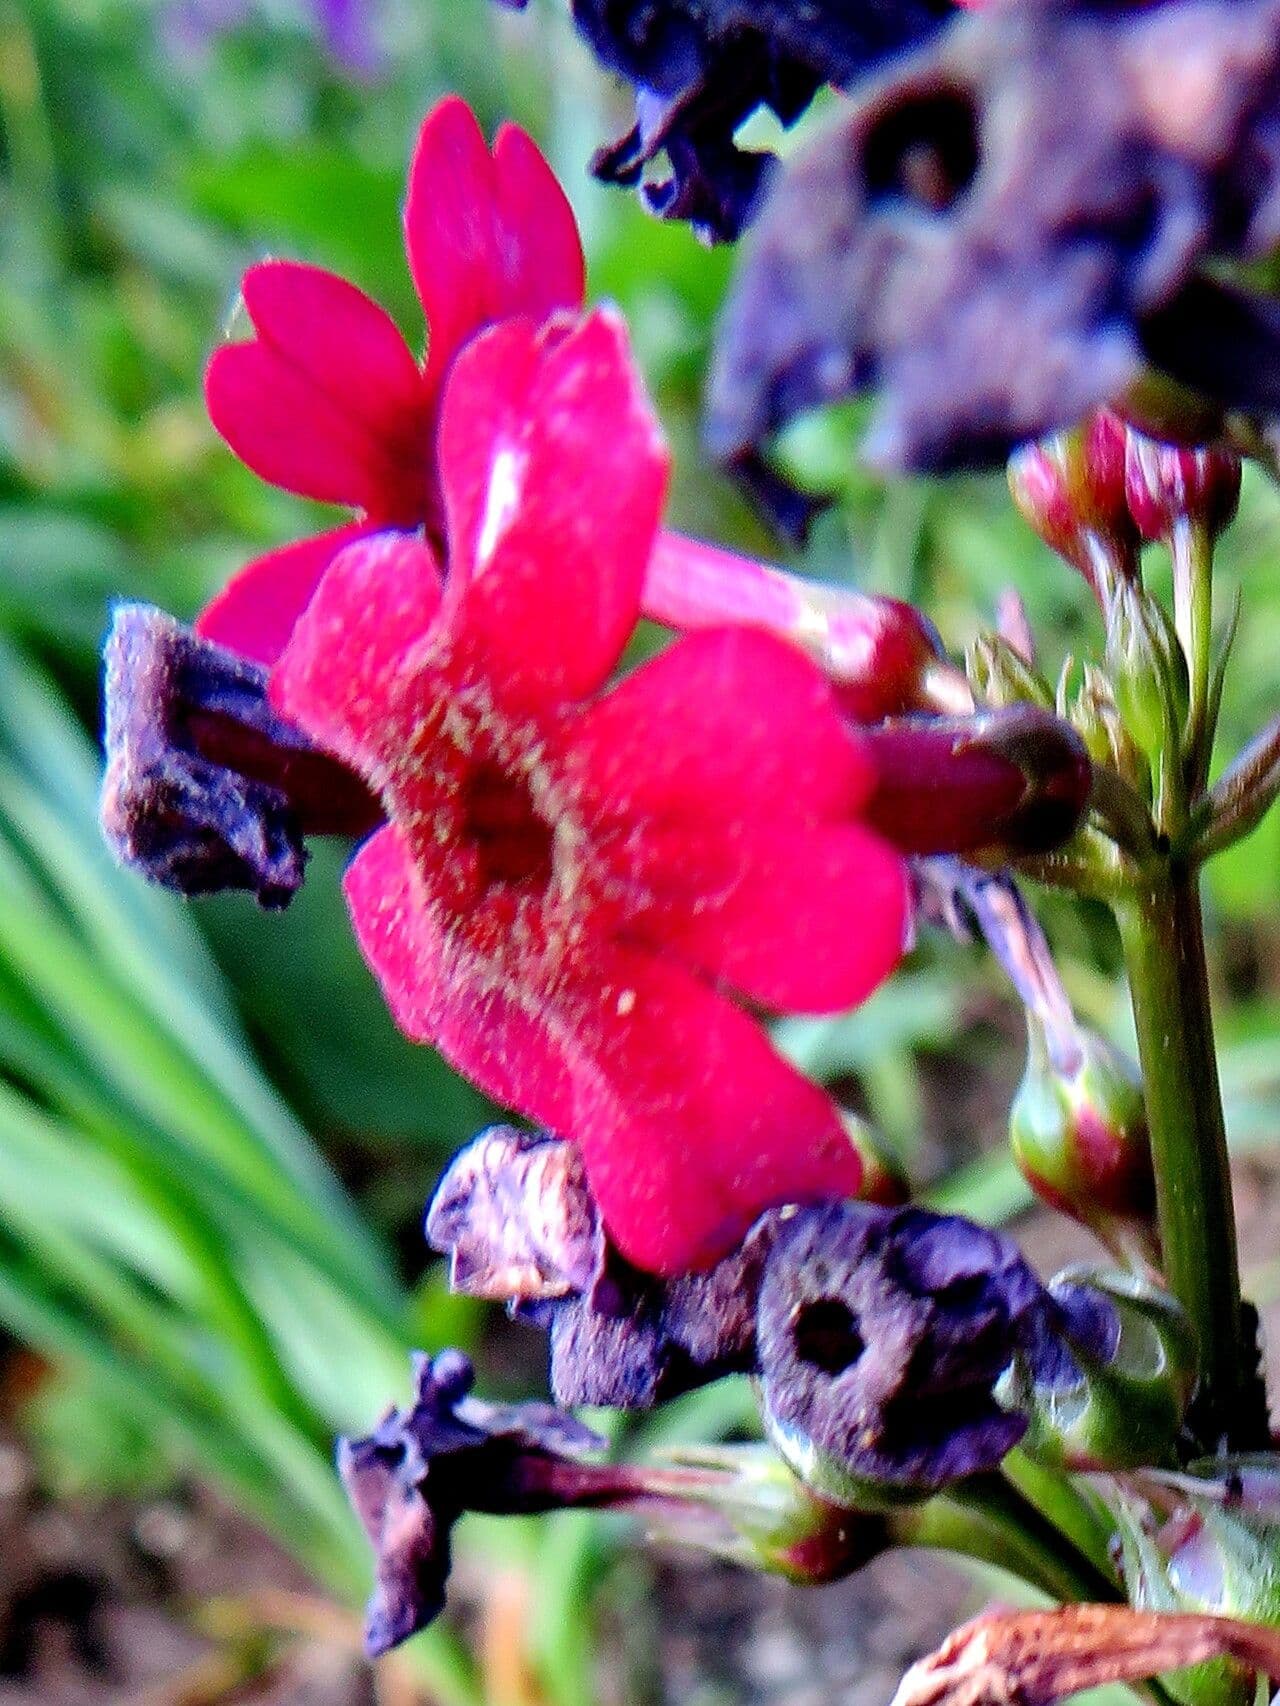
{"points": [[575, 882], [701, 67], [1009, 226], [424, 1466], [882, 1334], [327, 400]]}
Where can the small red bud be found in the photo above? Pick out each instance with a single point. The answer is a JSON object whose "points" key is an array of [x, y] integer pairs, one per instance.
{"points": [[1078, 1128], [1071, 488], [1016, 778], [1168, 483]]}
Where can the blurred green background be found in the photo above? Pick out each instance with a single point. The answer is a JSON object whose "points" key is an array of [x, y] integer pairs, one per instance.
{"points": [[214, 1148]]}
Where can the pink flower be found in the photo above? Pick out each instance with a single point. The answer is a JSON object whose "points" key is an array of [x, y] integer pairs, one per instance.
{"points": [[578, 884], [327, 400]]}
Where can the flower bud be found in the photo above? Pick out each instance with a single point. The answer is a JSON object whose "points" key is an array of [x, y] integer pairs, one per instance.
{"points": [[1166, 484], [1000, 676], [1096, 719], [1116, 1393], [1017, 780], [1078, 1127], [1148, 670], [884, 657], [1207, 1541], [1071, 488]]}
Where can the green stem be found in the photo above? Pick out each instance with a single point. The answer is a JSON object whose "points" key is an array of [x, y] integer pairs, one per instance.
{"points": [[1192, 549], [1163, 936], [988, 1519]]}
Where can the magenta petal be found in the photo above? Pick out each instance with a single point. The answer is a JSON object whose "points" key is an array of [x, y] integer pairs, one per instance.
{"points": [[724, 725], [337, 676], [488, 236], [255, 612], [438, 992], [799, 919], [553, 472], [334, 332], [690, 1123], [326, 400], [684, 1146], [541, 253]]}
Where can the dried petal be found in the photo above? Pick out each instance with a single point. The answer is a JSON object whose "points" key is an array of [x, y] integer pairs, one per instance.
{"points": [[516, 1217], [1032, 1658], [206, 788]]}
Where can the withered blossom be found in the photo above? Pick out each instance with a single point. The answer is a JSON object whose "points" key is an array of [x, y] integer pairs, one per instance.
{"points": [[882, 1335], [516, 1218], [206, 787], [422, 1467], [447, 1453], [1005, 228], [701, 67]]}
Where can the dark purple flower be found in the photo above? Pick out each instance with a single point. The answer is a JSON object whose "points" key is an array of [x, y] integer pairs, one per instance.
{"points": [[882, 1335], [701, 67], [206, 787], [1005, 229], [421, 1468], [424, 1467], [517, 1220]]}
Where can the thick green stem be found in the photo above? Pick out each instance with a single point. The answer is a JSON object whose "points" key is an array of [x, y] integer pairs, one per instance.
{"points": [[988, 1519], [1163, 936]]}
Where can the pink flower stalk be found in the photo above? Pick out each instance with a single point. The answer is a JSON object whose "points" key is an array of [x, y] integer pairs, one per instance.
{"points": [[575, 882], [328, 401]]}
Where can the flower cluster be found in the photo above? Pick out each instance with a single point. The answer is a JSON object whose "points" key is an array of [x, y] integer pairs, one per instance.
{"points": [[587, 885]]}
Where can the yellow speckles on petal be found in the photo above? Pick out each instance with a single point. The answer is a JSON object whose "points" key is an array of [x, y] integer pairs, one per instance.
{"points": [[625, 1003]]}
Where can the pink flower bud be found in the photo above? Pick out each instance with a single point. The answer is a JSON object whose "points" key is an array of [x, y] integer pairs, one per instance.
{"points": [[1078, 1127], [1071, 488], [1017, 779], [1169, 483]]}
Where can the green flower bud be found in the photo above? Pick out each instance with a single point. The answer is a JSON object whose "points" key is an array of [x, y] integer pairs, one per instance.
{"points": [[743, 1503], [1096, 719], [1117, 1399], [1000, 676], [1078, 1128], [1205, 1541], [1147, 668]]}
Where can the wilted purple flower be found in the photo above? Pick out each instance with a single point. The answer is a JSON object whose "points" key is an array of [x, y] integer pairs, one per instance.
{"points": [[882, 1335], [421, 1468], [515, 1215], [701, 67], [448, 1453], [1002, 231], [206, 788]]}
